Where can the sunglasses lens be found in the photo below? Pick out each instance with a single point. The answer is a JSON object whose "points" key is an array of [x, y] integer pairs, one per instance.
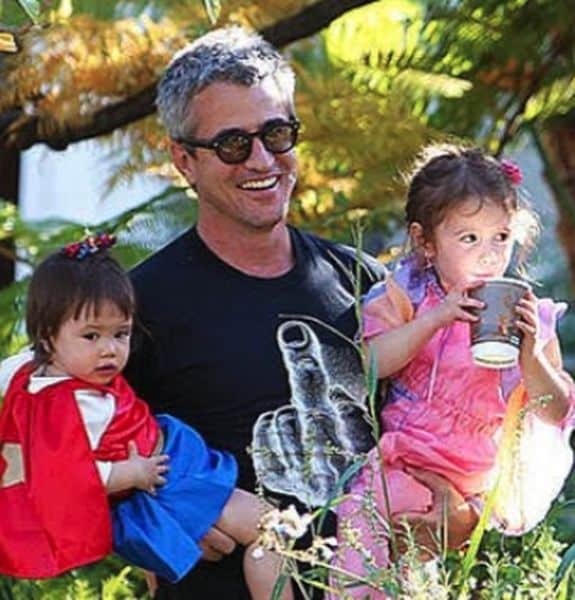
{"points": [[280, 137], [234, 148]]}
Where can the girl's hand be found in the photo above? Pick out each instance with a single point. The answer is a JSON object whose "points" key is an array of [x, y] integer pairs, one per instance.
{"points": [[147, 472], [528, 323], [458, 306]]}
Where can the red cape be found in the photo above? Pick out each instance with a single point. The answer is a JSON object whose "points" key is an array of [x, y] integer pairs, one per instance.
{"points": [[59, 518]]}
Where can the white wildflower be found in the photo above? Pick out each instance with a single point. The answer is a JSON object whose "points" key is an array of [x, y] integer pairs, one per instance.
{"points": [[287, 524]]}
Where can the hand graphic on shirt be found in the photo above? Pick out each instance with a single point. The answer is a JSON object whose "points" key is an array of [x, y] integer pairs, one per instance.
{"points": [[303, 448]]}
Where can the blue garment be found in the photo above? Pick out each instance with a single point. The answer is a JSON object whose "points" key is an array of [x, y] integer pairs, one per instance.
{"points": [[161, 533]]}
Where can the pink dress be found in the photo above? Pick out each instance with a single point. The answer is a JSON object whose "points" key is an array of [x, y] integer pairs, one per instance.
{"points": [[444, 414]]}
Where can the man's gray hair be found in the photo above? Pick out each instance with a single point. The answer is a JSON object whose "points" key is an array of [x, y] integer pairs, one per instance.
{"points": [[230, 54]]}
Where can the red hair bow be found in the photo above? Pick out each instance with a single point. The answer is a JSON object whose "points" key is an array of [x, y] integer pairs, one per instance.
{"points": [[512, 171], [90, 245]]}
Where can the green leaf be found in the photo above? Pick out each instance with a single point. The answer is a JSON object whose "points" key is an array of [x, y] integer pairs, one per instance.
{"points": [[213, 8], [556, 98], [281, 582], [336, 496], [8, 42], [433, 83], [566, 564], [32, 9], [563, 587], [65, 9]]}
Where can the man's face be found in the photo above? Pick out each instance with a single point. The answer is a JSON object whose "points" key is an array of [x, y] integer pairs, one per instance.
{"points": [[255, 193]]}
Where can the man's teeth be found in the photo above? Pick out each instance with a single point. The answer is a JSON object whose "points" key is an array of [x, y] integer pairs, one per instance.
{"points": [[259, 184]]}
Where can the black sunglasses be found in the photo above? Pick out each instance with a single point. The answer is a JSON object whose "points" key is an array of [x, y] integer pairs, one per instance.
{"points": [[234, 146]]}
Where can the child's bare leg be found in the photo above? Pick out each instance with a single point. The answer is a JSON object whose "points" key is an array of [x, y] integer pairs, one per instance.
{"points": [[239, 519], [151, 582]]}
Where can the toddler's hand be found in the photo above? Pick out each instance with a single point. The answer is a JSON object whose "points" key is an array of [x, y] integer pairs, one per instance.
{"points": [[458, 306], [528, 323], [147, 471]]}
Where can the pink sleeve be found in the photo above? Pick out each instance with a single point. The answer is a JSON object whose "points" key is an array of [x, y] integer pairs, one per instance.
{"points": [[542, 461], [549, 314], [386, 306]]}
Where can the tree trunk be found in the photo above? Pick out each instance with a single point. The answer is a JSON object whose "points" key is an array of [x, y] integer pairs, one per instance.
{"points": [[558, 141], [9, 183]]}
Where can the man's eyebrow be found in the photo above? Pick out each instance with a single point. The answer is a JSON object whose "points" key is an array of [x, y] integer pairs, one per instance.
{"points": [[226, 131], [248, 131]]}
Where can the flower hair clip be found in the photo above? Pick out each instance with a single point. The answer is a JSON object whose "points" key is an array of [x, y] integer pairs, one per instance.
{"points": [[512, 171], [90, 245]]}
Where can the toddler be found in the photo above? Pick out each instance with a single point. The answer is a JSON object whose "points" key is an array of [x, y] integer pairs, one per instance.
{"points": [[73, 436], [443, 413]]}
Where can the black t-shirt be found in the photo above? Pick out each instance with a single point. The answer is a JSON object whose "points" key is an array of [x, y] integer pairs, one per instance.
{"points": [[210, 357]]}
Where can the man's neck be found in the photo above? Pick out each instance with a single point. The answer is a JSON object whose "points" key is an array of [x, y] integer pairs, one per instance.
{"points": [[260, 253]]}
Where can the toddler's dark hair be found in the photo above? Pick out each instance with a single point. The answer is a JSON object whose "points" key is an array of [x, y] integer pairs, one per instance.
{"points": [[446, 176], [62, 287]]}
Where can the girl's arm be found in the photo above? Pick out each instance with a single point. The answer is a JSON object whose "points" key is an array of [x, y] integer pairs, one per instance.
{"points": [[397, 347], [542, 366], [138, 472]]}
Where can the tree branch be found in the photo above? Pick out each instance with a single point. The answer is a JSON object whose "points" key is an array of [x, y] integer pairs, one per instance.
{"points": [[511, 122], [558, 49], [309, 21], [20, 131]]}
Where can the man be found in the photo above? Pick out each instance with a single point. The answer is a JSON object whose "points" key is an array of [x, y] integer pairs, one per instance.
{"points": [[211, 301]]}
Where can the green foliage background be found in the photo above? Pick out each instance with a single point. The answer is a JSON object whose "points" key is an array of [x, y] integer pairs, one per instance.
{"points": [[373, 87]]}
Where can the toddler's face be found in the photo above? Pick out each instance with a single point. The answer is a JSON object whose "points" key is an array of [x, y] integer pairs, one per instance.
{"points": [[471, 244], [92, 348]]}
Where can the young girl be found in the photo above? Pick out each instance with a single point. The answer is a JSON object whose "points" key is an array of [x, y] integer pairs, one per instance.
{"points": [[72, 434], [442, 412]]}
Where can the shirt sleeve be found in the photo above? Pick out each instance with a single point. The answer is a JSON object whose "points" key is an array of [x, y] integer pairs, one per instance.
{"points": [[386, 306], [550, 312], [540, 463], [10, 365], [97, 411]]}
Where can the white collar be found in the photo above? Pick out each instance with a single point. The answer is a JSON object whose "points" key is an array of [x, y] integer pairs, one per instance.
{"points": [[40, 382]]}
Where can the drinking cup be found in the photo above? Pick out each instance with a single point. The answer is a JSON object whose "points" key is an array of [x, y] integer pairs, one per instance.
{"points": [[495, 338]]}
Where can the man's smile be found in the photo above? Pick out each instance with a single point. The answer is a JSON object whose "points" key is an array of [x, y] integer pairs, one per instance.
{"points": [[260, 184]]}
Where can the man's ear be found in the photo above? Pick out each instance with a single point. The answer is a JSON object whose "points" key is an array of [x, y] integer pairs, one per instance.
{"points": [[419, 241], [184, 162]]}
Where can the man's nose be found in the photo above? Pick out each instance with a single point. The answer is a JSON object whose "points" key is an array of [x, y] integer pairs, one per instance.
{"points": [[260, 159]]}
